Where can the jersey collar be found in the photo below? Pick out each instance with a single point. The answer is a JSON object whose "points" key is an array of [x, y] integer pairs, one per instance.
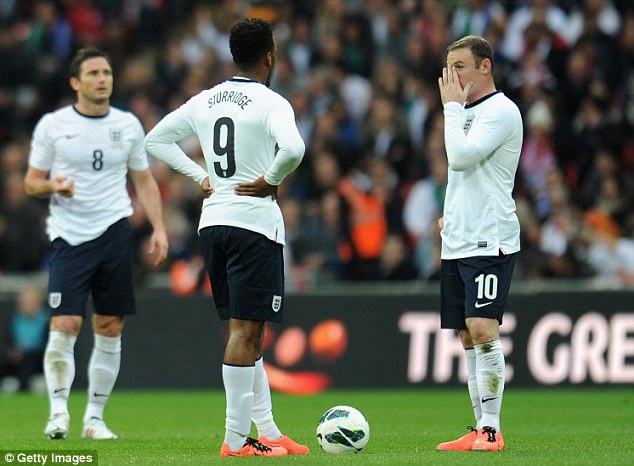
{"points": [[241, 79], [89, 116], [479, 101]]}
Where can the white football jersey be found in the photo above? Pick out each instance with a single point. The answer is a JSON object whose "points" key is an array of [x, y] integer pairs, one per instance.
{"points": [[96, 153], [483, 142], [246, 130]]}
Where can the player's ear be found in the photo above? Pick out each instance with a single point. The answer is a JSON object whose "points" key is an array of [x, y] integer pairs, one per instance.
{"points": [[74, 83], [486, 66]]}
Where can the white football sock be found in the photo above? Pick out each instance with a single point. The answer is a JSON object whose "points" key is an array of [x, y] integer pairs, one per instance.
{"points": [[472, 384], [59, 369], [103, 370], [490, 373], [238, 381], [262, 405]]}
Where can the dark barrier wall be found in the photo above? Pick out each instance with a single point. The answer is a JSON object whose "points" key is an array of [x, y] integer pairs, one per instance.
{"points": [[377, 340]]}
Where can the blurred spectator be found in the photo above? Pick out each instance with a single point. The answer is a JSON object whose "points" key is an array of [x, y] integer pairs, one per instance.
{"points": [[475, 17], [538, 151], [599, 15], [358, 47], [546, 12], [540, 65], [22, 242], [87, 22], [7, 10], [14, 157], [364, 225], [610, 255], [300, 47], [325, 247], [423, 208], [593, 130], [385, 134], [16, 82], [396, 262], [612, 199], [557, 232], [27, 338]]}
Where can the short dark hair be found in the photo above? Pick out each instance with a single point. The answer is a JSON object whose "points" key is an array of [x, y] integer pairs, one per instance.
{"points": [[479, 47], [81, 56], [249, 41]]}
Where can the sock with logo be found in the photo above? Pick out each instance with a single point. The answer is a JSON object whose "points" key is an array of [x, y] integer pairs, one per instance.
{"points": [[490, 373], [238, 381], [59, 369], [472, 385], [103, 370], [262, 405]]}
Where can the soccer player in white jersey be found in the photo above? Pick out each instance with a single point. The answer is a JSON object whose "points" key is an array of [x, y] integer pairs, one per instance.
{"points": [[251, 143], [80, 157], [479, 228]]}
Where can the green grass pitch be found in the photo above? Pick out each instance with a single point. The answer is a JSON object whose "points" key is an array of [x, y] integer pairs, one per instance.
{"points": [[541, 427]]}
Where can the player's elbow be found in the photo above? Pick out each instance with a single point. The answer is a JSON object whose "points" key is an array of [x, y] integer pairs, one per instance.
{"points": [[29, 188], [294, 152], [458, 166], [149, 143], [464, 161], [297, 149]]}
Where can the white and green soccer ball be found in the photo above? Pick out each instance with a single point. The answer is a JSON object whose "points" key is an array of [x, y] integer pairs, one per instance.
{"points": [[343, 429]]}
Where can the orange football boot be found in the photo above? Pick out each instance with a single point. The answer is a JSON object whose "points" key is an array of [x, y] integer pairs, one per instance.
{"points": [[487, 439], [252, 447], [291, 446], [464, 443]]}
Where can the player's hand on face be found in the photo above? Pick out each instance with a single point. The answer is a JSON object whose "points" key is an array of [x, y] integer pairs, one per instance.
{"points": [[450, 88], [63, 186], [158, 247], [258, 188], [206, 187]]}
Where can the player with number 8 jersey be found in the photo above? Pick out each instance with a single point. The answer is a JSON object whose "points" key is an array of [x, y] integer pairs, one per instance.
{"points": [[95, 153], [81, 156]]}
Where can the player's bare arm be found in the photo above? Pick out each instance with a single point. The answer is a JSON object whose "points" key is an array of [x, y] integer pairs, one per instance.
{"points": [[450, 87], [148, 193], [38, 184], [257, 188]]}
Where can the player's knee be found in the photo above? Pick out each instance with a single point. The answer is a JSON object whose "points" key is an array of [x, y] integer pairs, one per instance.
{"points": [[483, 330], [66, 324], [107, 326]]}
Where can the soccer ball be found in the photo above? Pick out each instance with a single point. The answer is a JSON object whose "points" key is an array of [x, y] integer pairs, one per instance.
{"points": [[343, 429]]}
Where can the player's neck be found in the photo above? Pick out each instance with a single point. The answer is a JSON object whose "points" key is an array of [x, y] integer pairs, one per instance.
{"points": [[86, 107], [483, 92], [252, 75]]}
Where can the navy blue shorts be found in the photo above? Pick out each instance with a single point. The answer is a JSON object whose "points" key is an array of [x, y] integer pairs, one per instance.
{"points": [[102, 266], [474, 287], [246, 271]]}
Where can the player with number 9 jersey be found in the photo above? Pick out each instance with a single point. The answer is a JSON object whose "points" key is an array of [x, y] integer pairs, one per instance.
{"points": [[245, 129]]}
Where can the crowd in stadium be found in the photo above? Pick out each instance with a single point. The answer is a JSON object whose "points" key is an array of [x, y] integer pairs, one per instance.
{"points": [[362, 77]]}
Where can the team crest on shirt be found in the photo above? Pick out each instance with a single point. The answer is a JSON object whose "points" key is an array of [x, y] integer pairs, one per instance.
{"points": [[55, 299], [116, 137], [467, 124], [277, 303]]}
